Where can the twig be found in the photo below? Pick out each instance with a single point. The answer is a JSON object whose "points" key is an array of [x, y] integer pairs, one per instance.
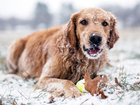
{"points": [[116, 81], [84, 101], [4, 92], [136, 83], [101, 87], [23, 95], [0, 102]]}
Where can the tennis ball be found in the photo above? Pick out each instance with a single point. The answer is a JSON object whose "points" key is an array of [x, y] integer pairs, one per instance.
{"points": [[80, 85]]}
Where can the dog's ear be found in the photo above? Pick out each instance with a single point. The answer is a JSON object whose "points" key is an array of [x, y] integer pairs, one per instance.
{"points": [[114, 34], [70, 30]]}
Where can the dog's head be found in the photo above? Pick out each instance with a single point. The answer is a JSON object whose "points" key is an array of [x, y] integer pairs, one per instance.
{"points": [[94, 29]]}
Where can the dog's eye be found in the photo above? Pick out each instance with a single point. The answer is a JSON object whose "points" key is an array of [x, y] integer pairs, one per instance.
{"points": [[105, 23], [84, 22]]}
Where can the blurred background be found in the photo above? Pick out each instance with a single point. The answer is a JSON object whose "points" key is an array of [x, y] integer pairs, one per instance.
{"points": [[19, 18], [23, 15]]}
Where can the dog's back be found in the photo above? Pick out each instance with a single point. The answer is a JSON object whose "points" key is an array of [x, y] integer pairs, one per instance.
{"points": [[33, 45]]}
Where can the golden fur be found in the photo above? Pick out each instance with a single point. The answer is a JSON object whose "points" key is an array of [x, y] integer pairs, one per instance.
{"points": [[56, 57]]}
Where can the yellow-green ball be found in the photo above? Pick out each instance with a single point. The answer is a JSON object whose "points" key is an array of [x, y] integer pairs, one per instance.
{"points": [[80, 85]]}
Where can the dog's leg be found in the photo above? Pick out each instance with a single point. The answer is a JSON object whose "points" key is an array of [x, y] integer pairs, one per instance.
{"points": [[14, 53], [59, 87]]}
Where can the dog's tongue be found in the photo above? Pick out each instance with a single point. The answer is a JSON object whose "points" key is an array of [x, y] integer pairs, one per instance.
{"points": [[93, 51]]}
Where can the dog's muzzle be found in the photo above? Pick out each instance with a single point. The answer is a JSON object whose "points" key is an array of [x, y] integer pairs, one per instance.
{"points": [[95, 43]]}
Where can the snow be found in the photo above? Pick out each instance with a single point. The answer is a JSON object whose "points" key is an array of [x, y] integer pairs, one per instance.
{"points": [[125, 61]]}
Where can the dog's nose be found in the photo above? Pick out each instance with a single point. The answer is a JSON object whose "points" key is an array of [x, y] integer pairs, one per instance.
{"points": [[95, 38]]}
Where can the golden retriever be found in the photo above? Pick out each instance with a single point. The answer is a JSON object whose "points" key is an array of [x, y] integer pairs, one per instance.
{"points": [[60, 56]]}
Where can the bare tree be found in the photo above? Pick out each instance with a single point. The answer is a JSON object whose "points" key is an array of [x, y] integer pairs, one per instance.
{"points": [[65, 12], [41, 15]]}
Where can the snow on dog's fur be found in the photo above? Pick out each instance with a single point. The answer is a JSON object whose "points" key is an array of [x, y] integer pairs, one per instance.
{"points": [[60, 56]]}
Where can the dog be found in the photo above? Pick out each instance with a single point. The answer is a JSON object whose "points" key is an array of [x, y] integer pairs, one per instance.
{"points": [[58, 57]]}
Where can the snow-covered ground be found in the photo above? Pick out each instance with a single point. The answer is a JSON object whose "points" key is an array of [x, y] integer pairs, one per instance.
{"points": [[125, 61]]}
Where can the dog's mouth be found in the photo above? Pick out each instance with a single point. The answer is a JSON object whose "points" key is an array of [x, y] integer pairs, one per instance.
{"points": [[93, 51]]}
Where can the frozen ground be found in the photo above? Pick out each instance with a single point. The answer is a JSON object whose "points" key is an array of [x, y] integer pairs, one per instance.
{"points": [[125, 61]]}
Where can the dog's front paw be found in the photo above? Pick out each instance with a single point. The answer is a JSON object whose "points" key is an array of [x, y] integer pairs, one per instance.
{"points": [[70, 90], [59, 87], [73, 92]]}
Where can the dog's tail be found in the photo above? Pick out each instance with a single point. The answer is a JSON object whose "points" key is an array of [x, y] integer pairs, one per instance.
{"points": [[14, 52]]}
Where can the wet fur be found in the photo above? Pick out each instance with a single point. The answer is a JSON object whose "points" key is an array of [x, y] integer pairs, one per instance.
{"points": [[55, 56]]}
